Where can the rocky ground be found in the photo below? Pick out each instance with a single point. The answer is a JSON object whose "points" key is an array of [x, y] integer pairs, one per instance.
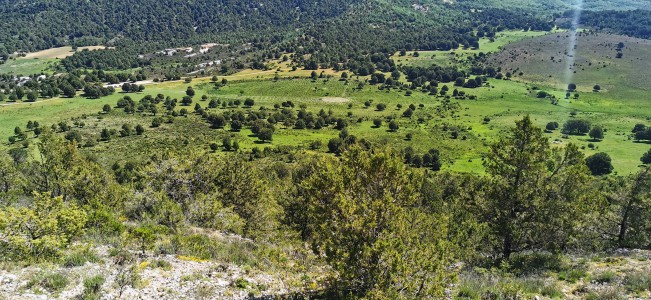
{"points": [[625, 274], [158, 277]]}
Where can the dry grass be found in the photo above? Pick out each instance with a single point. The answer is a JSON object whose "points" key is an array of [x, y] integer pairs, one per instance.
{"points": [[61, 52], [335, 99]]}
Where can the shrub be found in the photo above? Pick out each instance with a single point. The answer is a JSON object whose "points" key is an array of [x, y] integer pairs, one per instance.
{"points": [[93, 287], [638, 282], [241, 283], [646, 157], [538, 285], [162, 264], [203, 247], [381, 107], [573, 275], [127, 276], [55, 223], [604, 277]]}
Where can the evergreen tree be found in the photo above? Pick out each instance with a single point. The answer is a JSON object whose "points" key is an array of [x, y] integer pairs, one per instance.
{"points": [[534, 199]]}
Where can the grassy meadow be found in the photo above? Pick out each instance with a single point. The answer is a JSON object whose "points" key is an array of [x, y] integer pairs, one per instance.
{"points": [[486, 45], [618, 107], [41, 61]]}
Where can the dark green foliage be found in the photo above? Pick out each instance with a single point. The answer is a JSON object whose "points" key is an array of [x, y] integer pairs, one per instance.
{"points": [[526, 184], [74, 136], [596, 133], [638, 127], [249, 102], [381, 107], [578, 127], [542, 94], [186, 101], [126, 130], [626, 217], [156, 122], [646, 157], [571, 87], [642, 132], [599, 164], [227, 144], [265, 134], [335, 145], [140, 129], [393, 126], [551, 126], [93, 287], [357, 228], [631, 23], [106, 134]]}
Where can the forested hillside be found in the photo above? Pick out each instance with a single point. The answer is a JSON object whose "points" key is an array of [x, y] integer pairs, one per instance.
{"points": [[147, 25], [632, 23], [34, 25]]}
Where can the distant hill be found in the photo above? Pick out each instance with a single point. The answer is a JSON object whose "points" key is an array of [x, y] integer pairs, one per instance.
{"points": [[42, 24], [559, 5]]}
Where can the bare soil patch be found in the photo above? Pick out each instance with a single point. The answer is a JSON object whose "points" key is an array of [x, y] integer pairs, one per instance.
{"points": [[335, 99]]}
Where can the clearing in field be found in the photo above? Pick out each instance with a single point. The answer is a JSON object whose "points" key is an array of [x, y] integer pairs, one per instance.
{"points": [[456, 56], [38, 62], [61, 52], [543, 61]]}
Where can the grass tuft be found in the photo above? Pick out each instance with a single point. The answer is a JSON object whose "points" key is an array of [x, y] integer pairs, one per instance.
{"points": [[53, 282], [605, 277], [79, 258], [638, 282]]}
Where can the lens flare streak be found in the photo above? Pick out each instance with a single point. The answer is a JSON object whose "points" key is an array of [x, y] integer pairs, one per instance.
{"points": [[572, 43]]}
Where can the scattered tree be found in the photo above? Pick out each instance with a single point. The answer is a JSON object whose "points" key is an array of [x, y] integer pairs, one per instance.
{"points": [[596, 133], [599, 164]]}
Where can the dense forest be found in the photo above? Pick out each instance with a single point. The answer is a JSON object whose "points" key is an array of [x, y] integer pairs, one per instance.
{"points": [[331, 32], [632, 23]]}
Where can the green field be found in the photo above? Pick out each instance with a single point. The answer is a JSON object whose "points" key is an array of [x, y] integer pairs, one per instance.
{"points": [[504, 102], [486, 45], [39, 62], [23, 66], [617, 108]]}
